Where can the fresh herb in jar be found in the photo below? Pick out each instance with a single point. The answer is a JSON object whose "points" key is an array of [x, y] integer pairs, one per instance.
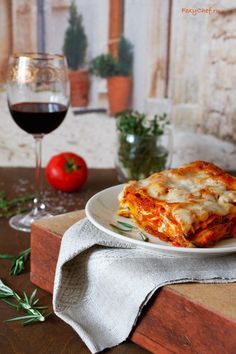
{"points": [[139, 153]]}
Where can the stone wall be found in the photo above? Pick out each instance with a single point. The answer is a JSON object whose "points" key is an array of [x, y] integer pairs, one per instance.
{"points": [[187, 63], [203, 68], [219, 99]]}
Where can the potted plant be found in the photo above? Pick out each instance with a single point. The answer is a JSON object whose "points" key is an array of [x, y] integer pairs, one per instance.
{"points": [[118, 73], [75, 46]]}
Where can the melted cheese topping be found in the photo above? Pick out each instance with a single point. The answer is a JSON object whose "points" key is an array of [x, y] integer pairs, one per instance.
{"points": [[190, 194]]}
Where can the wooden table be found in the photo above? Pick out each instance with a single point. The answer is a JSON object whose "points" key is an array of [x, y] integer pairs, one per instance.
{"points": [[182, 318], [53, 336]]}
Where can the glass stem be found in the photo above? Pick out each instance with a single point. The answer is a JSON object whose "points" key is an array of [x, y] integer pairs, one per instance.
{"points": [[38, 204]]}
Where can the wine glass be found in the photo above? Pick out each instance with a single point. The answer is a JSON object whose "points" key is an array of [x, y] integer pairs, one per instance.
{"points": [[38, 100]]}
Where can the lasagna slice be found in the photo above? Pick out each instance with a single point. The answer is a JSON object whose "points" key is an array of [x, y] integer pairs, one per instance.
{"points": [[192, 206]]}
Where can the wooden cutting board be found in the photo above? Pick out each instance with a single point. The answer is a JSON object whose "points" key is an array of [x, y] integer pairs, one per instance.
{"points": [[183, 318]]}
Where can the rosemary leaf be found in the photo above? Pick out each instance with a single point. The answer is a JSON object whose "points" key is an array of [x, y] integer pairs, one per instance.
{"points": [[125, 224], [5, 291], [25, 323], [32, 296], [19, 318], [6, 256], [144, 237], [48, 314], [128, 229], [35, 302], [25, 297], [11, 304], [119, 228]]}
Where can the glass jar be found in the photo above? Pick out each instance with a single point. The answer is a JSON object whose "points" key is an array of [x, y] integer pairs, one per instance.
{"points": [[139, 156]]}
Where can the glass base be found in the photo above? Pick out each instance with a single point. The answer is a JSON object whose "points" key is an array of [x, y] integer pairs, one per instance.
{"points": [[23, 222]]}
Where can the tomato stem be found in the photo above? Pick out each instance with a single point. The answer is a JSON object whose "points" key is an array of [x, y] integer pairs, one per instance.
{"points": [[71, 165]]}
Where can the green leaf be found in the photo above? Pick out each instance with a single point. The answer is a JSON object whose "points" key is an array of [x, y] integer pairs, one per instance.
{"points": [[20, 318], [32, 296], [6, 256], [11, 304], [71, 165], [144, 237], [26, 297], [125, 224], [25, 323], [31, 321], [5, 291], [118, 228], [35, 302], [4, 294], [48, 314]]}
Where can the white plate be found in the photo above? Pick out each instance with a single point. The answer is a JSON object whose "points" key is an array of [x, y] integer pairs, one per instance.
{"points": [[102, 208]]}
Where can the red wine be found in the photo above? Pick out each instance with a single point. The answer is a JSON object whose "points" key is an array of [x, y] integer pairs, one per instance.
{"points": [[38, 117]]}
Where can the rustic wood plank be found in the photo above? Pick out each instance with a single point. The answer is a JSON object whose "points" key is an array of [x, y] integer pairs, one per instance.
{"points": [[183, 318], [173, 323], [221, 297]]}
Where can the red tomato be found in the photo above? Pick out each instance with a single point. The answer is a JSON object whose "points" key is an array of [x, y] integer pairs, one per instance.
{"points": [[66, 172]]}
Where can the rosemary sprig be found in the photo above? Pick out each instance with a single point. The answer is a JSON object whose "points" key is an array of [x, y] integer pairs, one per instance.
{"points": [[27, 304], [18, 263], [13, 207], [127, 228]]}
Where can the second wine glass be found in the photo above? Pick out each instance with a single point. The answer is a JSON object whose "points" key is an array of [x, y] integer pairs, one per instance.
{"points": [[38, 99]]}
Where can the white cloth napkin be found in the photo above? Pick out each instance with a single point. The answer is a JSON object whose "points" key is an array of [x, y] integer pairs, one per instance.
{"points": [[102, 283]]}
